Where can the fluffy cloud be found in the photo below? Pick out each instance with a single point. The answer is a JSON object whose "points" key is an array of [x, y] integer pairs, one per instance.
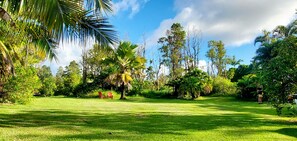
{"points": [[67, 52], [128, 5], [202, 65], [235, 22]]}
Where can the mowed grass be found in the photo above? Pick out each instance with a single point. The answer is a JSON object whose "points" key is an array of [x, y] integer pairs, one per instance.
{"points": [[208, 118]]}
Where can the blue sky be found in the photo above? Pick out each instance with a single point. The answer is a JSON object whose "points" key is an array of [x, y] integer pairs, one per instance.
{"points": [[235, 22]]}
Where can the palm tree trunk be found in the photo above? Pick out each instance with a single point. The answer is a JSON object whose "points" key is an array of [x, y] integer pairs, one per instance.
{"points": [[123, 97], [6, 17]]}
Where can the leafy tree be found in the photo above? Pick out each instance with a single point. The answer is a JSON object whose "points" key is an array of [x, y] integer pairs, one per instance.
{"points": [[72, 77], [279, 74], [124, 62], [48, 81], [172, 46], [21, 87], [94, 60], [217, 55], [194, 82], [171, 49], [150, 73], [59, 81]]}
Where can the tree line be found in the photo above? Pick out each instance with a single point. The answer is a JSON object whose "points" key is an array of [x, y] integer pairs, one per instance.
{"points": [[31, 30]]}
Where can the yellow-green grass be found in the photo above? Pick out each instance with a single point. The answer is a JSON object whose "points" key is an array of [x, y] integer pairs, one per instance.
{"points": [[208, 118]]}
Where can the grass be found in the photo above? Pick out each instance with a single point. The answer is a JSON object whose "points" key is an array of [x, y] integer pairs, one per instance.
{"points": [[208, 118]]}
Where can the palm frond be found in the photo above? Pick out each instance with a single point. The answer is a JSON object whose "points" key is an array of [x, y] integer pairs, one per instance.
{"points": [[99, 6], [99, 28], [6, 62]]}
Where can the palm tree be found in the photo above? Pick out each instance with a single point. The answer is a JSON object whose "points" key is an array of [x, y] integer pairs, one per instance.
{"points": [[264, 52], [125, 63], [62, 19], [46, 22], [285, 31], [265, 38]]}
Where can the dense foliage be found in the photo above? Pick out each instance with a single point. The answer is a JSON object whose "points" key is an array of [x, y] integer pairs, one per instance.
{"points": [[223, 86], [21, 87], [48, 81], [248, 85], [279, 74], [124, 63], [194, 83]]}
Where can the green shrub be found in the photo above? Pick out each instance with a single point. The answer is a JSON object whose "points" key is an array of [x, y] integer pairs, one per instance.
{"points": [[194, 83], [94, 93], [21, 87], [82, 89], [248, 87], [137, 86], [165, 93], [207, 89], [223, 87], [48, 87]]}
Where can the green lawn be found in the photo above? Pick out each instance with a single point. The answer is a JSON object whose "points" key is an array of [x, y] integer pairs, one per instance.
{"points": [[208, 118]]}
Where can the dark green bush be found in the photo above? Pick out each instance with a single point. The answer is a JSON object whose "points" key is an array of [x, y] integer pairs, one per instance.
{"points": [[248, 87], [165, 93]]}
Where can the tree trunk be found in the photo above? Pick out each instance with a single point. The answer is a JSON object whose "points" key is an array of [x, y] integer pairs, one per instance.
{"points": [[6, 17], [123, 97], [193, 95]]}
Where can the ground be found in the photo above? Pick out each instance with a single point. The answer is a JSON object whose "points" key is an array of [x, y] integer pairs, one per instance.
{"points": [[208, 118]]}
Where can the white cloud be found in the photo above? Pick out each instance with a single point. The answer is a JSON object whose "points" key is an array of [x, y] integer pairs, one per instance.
{"points": [[128, 5], [202, 65], [67, 52], [235, 22], [164, 70]]}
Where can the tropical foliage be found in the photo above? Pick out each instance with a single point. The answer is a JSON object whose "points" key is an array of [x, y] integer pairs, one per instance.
{"points": [[21, 87], [195, 82], [124, 63]]}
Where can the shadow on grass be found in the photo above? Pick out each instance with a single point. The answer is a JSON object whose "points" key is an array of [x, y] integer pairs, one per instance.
{"points": [[107, 126], [288, 131]]}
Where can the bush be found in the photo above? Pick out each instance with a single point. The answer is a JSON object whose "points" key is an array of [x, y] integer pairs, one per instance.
{"points": [[48, 87], [21, 87], [137, 86], [82, 89], [94, 93], [194, 83], [165, 93], [248, 87], [223, 87], [207, 89]]}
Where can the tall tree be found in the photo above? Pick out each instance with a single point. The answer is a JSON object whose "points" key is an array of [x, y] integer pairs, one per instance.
{"points": [[95, 56], [279, 73], [217, 55], [192, 48], [171, 50], [59, 80], [72, 76], [47, 80], [125, 63], [172, 46]]}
